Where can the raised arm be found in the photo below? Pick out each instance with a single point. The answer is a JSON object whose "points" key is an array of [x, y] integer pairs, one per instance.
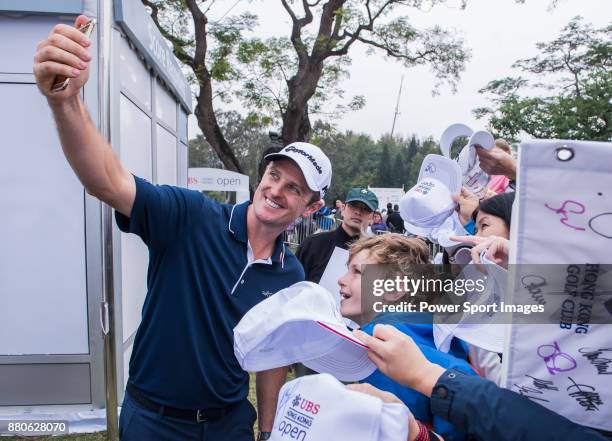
{"points": [[65, 52]]}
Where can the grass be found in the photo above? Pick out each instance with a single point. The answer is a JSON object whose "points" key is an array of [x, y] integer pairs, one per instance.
{"points": [[101, 436]]}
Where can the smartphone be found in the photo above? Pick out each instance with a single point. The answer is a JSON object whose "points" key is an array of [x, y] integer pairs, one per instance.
{"points": [[61, 82]]}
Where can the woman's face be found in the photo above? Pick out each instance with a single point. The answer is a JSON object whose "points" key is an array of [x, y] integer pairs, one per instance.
{"points": [[488, 225], [350, 285], [377, 218]]}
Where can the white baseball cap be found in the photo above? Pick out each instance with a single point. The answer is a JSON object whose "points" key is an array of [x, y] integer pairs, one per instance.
{"points": [[302, 324], [474, 178], [315, 164], [489, 337], [427, 208], [480, 138], [319, 407], [443, 169], [480, 329]]}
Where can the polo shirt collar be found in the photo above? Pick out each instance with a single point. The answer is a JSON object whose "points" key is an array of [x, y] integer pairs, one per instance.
{"points": [[238, 227]]}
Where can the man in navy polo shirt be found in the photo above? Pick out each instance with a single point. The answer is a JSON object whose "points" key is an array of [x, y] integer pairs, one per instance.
{"points": [[209, 263]]}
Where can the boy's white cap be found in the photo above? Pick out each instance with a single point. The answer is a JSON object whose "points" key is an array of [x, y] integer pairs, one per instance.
{"points": [[427, 208], [315, 164], [319, 407], [302, 324]]}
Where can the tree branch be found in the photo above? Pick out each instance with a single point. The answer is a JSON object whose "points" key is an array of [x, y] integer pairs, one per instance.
{"points": [[322, 44], [200, 21], [354, 36], [177, 43], [296, 33], [393, 53], [566, 60], [307, 12]]}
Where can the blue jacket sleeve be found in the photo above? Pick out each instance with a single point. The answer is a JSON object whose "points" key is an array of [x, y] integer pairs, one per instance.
{"points": [[488, 412]]}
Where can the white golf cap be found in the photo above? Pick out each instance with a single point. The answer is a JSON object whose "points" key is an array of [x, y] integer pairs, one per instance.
{"points": [[443, 169], [303, 324], [427, 208], [315, 164], [486, 336], [474, 178], [319, 407], [483, 330]]}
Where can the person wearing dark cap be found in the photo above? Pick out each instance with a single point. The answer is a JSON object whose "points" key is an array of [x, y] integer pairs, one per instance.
{"points": [[314, 253]]}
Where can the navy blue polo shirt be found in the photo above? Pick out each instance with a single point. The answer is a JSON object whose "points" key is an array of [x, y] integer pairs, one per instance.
{"points": [[199, 285]]}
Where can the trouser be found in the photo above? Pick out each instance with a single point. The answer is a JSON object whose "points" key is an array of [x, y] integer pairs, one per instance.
{"points": [[301, 370], [138, 423]]}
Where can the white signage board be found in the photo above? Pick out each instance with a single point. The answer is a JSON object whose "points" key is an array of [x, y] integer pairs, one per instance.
{"points": [[386, 195], [215, 179], [563, 215]]}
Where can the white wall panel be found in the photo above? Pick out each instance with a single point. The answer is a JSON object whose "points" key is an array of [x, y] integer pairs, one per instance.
{"points": [[18, 40], [135, 148], [133, 75], [43, 300], [165, 106], [166, 157]]}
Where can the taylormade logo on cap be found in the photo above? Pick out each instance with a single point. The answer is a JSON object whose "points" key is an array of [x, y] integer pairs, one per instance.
{"points": [[314, 164], [310, 158]]}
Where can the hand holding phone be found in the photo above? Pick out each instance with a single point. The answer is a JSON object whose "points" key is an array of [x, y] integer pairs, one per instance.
{"points": [[61, 81], [61, 62]]}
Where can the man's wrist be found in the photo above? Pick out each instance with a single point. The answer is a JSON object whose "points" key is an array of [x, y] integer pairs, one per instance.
{"points": [[264, 436], [64, 104]]}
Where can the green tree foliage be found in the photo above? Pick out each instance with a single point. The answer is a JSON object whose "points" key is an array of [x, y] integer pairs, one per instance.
{"points": [[356, 159], [570, 89], [289, 78]]}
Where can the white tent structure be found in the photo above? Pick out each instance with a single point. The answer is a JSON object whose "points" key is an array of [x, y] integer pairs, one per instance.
{"points": [[71, 285]]}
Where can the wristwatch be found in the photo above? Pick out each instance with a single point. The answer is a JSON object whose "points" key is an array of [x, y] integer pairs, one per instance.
{"points": [[264, 436]]}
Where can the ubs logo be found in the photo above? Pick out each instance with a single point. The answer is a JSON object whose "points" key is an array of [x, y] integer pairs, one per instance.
{"points": [[298, 419], [305, 405]]}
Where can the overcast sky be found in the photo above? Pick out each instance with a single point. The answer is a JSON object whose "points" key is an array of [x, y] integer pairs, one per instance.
{"points": [[498, 32]]}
